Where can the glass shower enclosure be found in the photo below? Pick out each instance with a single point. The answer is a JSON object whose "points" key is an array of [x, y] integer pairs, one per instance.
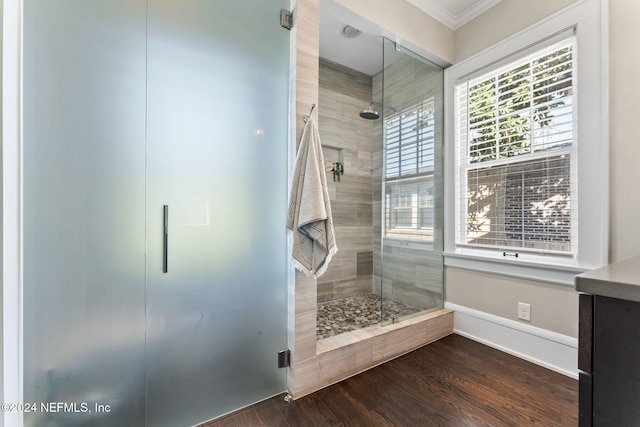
{"points": [[408, 236]]}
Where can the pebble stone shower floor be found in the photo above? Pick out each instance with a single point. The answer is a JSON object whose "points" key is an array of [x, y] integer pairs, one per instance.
{"points": [[349, 314]]}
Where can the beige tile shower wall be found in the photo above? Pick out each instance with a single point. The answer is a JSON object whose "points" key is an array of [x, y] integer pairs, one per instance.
{"points": [[411, 275], [345, 136], [302, 291]]}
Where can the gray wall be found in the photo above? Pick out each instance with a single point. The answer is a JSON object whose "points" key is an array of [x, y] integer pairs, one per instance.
{"points": [[345, 136]]}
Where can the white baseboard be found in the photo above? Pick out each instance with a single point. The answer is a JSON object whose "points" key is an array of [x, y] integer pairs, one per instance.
{"points": [[540, 346]]}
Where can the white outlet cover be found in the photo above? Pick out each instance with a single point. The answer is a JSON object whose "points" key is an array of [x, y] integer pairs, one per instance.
{"points": [[524, 311]]}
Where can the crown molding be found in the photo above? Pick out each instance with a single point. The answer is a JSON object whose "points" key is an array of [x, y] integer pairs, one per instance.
{"points": [[436, 10]]}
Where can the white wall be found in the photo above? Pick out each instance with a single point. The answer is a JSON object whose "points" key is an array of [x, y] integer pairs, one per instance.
{"points": [[506, 18], [624, 73]]}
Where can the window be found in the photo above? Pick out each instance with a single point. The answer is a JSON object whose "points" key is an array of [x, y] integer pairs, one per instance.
{"points": [[515, 148], [526, 151], [409, 165]]}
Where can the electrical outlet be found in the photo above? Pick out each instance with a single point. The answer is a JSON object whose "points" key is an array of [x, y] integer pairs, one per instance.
{"points": [[524, 311]]}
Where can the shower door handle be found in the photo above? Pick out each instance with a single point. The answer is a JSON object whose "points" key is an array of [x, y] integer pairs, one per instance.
{"points": [[165, 240]]}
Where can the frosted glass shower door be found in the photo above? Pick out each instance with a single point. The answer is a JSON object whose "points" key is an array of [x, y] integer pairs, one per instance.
{"points": [[217, 159], [84, 212]]}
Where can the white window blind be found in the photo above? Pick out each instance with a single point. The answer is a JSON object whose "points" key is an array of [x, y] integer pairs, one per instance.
{"points": [[409, 138], [516, 154]]}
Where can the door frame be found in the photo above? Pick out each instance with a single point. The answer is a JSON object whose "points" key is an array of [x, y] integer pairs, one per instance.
{"points": [[12, 210]]}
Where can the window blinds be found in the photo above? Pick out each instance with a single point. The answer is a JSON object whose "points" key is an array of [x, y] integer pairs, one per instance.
{"points": [[516, 154], [410, 141], [409, 163]]}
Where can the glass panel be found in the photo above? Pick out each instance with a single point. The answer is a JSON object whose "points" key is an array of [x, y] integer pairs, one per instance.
{"points": [[411, 265], [217, 156], [84, 215]]}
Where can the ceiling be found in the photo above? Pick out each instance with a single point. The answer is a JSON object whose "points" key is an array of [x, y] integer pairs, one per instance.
{"points": [[364, 53]]}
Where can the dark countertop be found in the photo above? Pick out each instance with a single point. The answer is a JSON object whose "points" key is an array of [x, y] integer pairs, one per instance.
{"points": [[620, 280]]}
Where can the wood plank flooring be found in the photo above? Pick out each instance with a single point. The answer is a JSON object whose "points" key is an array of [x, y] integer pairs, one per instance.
{"points": [[451, 382]]}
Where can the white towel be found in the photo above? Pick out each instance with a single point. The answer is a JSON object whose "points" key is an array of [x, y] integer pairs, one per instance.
{"points": [[314, 242]]}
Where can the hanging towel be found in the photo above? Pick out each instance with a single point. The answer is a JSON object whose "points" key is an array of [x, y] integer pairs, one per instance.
{"points": [[314, 242]]}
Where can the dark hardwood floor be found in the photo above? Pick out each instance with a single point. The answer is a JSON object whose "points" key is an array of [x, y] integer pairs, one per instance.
{"points": [[451, 382]]}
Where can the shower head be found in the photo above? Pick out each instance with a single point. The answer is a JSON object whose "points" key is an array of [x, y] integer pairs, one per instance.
{"points": [[369, 114]]}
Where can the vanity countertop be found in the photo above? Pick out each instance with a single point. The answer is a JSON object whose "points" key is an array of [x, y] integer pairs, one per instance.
{"points": [[620, 280]]}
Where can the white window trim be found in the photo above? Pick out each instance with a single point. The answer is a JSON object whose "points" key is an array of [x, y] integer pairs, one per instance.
{"points": [[589, 17]]}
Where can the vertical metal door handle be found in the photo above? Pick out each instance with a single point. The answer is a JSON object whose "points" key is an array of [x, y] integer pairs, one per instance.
{"points": [[165, 241]]}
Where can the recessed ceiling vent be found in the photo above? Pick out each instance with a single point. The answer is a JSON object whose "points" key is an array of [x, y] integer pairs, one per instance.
{"points": [[350, 32]]}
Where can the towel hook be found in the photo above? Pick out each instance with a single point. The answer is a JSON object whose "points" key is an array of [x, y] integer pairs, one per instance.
{"points": [[306, 118]]}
